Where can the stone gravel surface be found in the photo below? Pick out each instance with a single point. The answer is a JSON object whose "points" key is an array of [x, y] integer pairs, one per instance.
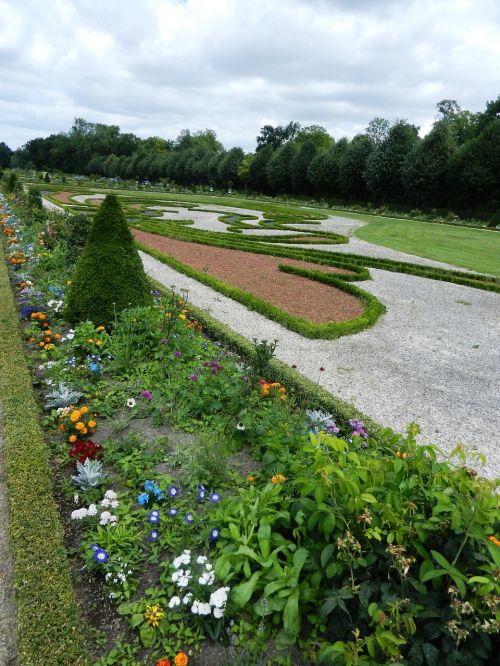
{"points": [[433, 358]]}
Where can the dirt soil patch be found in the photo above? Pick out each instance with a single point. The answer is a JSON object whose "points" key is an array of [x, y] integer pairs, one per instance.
{"points": [[64, 197], [258, 274]]}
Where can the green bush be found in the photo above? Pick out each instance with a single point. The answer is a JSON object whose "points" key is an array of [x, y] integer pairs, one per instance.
{"points": [[108, 275], [34, 197], [78, 229]]}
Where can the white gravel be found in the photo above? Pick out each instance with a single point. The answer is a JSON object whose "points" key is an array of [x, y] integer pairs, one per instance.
{"points": [[433, 358]]}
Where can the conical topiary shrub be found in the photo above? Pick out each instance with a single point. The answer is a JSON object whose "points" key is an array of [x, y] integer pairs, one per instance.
{"points": [[108, 275]]}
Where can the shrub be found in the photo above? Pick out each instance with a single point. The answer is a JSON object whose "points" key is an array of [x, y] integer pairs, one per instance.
{"points": [[108, 275], [34, 197], [78, 230]]}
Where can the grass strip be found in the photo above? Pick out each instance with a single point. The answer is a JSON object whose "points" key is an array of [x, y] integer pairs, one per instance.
{"points": [[48, 623], [297, 324], [308, 394]]}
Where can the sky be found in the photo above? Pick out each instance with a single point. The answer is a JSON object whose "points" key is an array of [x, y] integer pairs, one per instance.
{"points": [[155, 67]]}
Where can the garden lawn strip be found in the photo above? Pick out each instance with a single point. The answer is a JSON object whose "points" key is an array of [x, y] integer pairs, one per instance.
{"points": [[8, 650], [49, 629], [259, 275]]}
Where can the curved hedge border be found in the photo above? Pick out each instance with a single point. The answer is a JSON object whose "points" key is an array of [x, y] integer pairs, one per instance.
{"points": [[48, 623], [349, 261], [306, 328]]}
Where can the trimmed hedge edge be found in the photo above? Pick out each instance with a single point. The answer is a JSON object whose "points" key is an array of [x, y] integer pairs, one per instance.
{"points": [[298, 325], [307, 392], [48, 624]]}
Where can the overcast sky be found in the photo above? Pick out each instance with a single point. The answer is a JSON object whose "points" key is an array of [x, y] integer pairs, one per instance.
{"points": [[155, 67]]}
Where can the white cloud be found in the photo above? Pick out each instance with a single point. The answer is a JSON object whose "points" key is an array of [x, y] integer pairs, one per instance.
{"points": [[233, 65]]}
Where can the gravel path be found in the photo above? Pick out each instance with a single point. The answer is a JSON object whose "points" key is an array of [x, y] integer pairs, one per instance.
{"points": [[433, 358]]}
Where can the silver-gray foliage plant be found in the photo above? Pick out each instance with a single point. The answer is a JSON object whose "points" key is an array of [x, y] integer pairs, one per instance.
{"points": [[89, 474], [62, 396]]}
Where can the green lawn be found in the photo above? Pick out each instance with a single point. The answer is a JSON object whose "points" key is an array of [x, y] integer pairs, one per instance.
{"points": [[476, 249]]}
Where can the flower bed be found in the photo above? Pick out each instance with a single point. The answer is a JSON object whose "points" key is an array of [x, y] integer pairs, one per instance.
{"points": [[213, 516]]}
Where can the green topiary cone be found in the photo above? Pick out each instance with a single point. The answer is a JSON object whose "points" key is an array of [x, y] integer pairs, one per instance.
{"points": [[108, 275]]}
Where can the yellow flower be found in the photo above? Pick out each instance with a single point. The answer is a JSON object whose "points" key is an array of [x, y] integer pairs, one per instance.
{"points": [[72, 438], [182, 316], [84, 409], [181, 659], [98, 342], [250, 477], [75, 415], [100, 328], [154, 614], [92, 424], [80, 425], [90, 340], [278, 478]]}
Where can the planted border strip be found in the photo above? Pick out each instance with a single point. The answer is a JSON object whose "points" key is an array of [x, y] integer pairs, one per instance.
{"points": [[303, 327], [306, 392], [48, 623]]}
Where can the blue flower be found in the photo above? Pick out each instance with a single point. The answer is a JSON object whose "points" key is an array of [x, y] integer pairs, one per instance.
{"points": [[100, 556], [94, 367], [173, 491], [188, 517], [214, 534], [153, 535], [215, 498], [172, 511], [159, 495], [143, 498], [154, 517], [202, 492], [94, 546], [150, 486]]}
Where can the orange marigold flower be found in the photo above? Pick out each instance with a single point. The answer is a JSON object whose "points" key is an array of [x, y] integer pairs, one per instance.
{"points": [[83, 431], [31, 340], [250, 477], [45, 325], [494, 540], [72, 438], [92, 424], [181, 659], [57, 336], [80, 425], [75, 415], [84, 409], [48, 338], [90, 340], [100, 328], [278, 478], [282, 389], [41, 344], [62, 427], [163, 662]]}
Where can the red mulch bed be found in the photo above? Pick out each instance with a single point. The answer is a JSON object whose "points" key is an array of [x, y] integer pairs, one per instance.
{"points": [[258, 274], [64, 197]]}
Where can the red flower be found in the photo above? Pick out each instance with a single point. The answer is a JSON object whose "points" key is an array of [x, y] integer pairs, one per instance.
{"points": [[84, 449]]}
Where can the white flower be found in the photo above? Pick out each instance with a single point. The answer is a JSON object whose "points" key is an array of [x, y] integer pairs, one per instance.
{"points": [[110, 494], [105, 502], [174, 601], [187, 598], [201, 559], [78, 514], [206, 578], [107, 518], [218, 612], [219, 597], [92, 510], [115, 504], [70, 335], [204, 609], [195, 607], [76, 498], [240, 426], [131, 402]]}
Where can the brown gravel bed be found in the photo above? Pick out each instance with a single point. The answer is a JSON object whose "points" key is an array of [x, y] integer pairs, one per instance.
{"points": [[258, 274], [64, 197]]}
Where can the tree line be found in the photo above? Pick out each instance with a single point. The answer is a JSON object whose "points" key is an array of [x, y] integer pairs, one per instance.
{"points": [[455, 166]]}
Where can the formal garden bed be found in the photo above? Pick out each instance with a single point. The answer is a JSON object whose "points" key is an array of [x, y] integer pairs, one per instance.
{"points": [[215, 508]]}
